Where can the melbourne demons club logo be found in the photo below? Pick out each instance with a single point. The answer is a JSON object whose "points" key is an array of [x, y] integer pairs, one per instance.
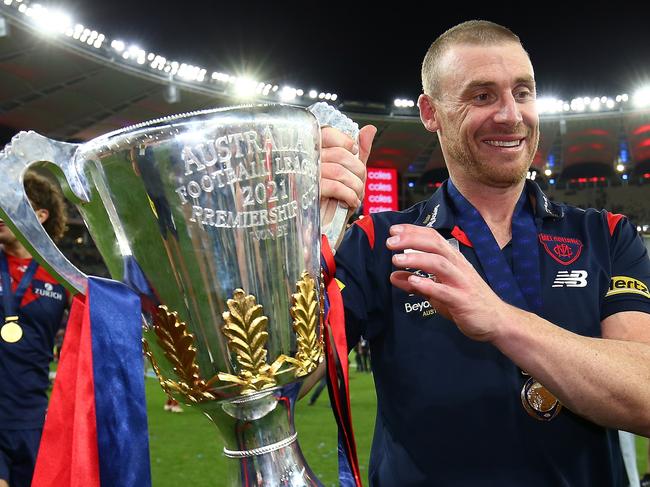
{"points": [[564, 250]]}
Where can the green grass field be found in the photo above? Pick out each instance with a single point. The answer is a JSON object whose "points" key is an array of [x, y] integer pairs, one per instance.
{"points": [[186, 448]]}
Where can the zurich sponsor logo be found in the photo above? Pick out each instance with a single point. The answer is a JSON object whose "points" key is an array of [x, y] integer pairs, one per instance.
{"points": [[48, 291], [570, 279]]}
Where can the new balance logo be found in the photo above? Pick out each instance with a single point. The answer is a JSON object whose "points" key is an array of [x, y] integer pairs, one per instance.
{"points": [[570, 279]]}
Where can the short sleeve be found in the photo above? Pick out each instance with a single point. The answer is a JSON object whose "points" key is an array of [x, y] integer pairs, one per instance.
{"points": [[630, 280], [354, 273]]}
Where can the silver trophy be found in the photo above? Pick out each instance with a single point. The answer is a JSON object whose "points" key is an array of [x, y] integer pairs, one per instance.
{"points": [[213, 218]]}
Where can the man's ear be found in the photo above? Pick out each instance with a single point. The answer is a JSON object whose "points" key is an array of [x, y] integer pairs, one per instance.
{"points": [[42, 214], [428, 113]]}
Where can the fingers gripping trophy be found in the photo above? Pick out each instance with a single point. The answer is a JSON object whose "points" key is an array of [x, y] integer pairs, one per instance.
{"points": [[213, 218]]}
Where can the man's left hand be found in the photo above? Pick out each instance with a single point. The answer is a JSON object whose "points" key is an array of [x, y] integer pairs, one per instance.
{"points": [[343, 165], [457, 292]]}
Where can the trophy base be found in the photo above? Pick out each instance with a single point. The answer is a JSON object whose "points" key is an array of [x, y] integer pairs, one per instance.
{"points": [[261, 441]]}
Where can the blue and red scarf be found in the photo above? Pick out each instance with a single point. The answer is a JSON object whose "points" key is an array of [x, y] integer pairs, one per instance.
{"points": [[95, 432]]}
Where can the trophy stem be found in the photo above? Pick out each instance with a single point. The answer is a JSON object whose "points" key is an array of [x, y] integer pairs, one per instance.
{"points": [[260, 440]]}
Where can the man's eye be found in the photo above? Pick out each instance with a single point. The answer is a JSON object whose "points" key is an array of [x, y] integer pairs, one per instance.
{"points": [[525, 95], [482, 97]]}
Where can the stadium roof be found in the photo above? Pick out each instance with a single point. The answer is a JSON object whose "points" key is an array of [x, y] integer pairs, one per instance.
{"points": [[64, 88]]}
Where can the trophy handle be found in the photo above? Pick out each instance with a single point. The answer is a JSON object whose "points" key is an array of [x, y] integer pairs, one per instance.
{"points": [[335, 214], [25, 149]]}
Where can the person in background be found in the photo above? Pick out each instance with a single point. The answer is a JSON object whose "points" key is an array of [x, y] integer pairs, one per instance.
{"points": [[32, 307], [172, 405]]}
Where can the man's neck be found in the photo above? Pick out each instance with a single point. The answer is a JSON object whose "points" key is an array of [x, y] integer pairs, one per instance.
{"points": [[496, 205], [16, 249]]}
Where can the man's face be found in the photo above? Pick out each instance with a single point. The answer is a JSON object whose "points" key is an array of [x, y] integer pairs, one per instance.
{"points": [[6, 235], [486, 115]]}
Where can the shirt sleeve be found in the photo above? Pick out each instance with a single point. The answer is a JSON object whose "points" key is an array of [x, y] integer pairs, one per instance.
{"points": [[630, 271]]}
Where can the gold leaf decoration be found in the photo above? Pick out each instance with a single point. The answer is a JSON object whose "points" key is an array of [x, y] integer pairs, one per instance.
{"points": [[305, 323], [245, 327], [156, 367], [178, 345]]}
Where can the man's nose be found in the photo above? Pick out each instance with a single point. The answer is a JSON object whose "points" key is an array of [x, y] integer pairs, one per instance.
{"points": [[508, 110]]}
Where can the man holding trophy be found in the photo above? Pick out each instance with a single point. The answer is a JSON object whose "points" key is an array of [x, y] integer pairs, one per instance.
{"points": [[510, 335], [497, 320]]}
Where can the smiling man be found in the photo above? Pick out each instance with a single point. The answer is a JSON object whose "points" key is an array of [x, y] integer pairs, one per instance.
{"points": [[510, 335]]}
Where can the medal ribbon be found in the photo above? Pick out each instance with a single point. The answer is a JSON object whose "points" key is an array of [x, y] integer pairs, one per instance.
{"points": [[11, 300], [338, 380], [520, 286]]}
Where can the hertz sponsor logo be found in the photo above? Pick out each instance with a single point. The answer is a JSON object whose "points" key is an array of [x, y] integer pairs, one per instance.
{"points": [[624, 284]]}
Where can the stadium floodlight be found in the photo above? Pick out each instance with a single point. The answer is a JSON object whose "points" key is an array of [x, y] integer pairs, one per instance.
{"points": [[549, 104], [641, 97], [578, 104], [300, 92], [288, 93], [118, 45], [620, 167], [547, 172], [49, 22], [245, 87], [8, 2], [403, 103], [609, 103], [313, 94], [334, 96], [595, 104]]}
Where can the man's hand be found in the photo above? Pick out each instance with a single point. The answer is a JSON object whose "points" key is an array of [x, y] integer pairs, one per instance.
{"points": [[343, 165], [458, 292]]}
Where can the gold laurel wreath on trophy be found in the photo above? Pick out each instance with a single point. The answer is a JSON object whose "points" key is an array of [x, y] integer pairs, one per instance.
{"points": [[246, 328], [172, 336], [305, 321]]}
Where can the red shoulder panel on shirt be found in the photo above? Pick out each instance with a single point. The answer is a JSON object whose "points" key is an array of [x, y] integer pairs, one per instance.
{"points": [[43, 275], [368, 227], [459, 235], [612, 220]]}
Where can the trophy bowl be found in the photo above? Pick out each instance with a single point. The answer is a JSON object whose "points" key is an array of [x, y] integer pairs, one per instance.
{"points": [[212, 218]]}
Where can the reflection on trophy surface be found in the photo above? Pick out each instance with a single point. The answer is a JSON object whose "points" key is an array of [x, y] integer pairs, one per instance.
{"points": [[213, 218]]}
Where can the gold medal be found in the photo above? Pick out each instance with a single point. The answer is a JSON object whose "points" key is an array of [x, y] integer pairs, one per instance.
{"points": [[11, 331], [538, 401]]}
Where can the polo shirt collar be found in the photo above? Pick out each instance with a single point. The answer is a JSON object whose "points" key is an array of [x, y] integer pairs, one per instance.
{"points": [[438, 211]]}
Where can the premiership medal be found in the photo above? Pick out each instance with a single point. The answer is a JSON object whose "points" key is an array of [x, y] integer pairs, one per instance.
{"points": [[538, 401], [11, 331]]}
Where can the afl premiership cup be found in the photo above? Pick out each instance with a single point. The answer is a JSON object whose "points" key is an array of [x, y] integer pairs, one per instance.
{"points": [[213, 218]]}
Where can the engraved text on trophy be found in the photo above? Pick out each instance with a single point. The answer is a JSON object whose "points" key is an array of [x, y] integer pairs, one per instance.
{"points": [[256, 168]]}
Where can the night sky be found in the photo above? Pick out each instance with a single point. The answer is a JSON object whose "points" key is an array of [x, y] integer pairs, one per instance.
{"points": [[369, 53]]}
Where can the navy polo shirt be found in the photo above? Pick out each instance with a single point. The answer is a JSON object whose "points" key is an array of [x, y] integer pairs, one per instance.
{"points": [[448, 408], [24, 365]]}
